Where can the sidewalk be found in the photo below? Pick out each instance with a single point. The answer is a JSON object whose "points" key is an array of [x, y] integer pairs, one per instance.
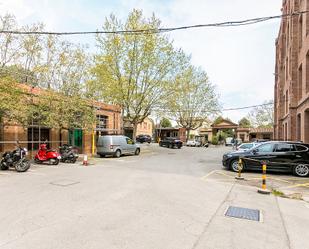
{"points": [[284, 224]]}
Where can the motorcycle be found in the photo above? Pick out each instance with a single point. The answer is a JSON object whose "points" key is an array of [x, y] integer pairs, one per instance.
{"points": [[15, 159], [45, 155], [67, 153]]}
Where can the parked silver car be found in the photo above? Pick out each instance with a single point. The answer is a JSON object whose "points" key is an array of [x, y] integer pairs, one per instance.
{"points": [[116, 146]]}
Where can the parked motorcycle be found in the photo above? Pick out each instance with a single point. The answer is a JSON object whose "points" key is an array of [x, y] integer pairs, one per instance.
{"points": [[67, 153], [45, 155], [15, 159]]}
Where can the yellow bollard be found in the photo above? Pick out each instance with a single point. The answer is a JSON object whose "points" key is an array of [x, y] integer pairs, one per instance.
{"points": [[240, 167], [264, 190]]}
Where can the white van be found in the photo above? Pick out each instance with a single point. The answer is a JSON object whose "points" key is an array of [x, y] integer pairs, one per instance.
{"points": [[116, 146]]}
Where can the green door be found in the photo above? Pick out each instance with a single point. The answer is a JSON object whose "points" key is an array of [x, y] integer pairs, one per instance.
{"points": [[76, 138]]}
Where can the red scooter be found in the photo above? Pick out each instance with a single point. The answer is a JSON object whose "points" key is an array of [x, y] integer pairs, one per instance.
{"points": [[45, 155]]}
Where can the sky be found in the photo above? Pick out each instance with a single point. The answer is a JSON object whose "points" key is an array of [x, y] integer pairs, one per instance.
{"points": [[239, 61]]}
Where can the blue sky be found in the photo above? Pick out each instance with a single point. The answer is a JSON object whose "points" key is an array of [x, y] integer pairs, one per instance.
{"points": [[239, 61]]}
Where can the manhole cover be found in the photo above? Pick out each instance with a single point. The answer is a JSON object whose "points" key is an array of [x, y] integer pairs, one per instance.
{"points": [[64, 183], [171, 153], [243, 213]]}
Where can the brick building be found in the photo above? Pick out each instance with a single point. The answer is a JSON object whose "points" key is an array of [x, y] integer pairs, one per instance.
{"points": [[108, 122], [144, 128], [292, 74]]}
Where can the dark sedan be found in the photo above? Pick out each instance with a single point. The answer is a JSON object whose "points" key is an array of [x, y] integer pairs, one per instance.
{"points": [[143, 139], [292, 157], [171, 142]]}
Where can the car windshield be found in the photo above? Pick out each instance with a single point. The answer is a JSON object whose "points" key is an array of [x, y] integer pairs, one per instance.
{"points": [[246, 146]]}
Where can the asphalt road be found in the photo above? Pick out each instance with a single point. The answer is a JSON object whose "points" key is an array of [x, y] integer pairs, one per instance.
{"points": [[155, 200], [163, 198], [190, 161]]}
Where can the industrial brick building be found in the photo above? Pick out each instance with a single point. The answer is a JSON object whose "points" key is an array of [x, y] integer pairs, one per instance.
{"points": [[292, 74], [109, 121]]}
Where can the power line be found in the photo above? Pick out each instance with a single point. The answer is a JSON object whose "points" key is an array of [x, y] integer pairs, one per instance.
{"points": [[248, 107], [159, 30]]}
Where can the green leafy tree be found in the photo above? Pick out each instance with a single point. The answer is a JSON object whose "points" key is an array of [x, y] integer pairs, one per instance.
{"points": [[219, 119], [194, 99], [13, 105], [165, 122], [244, 123], [133, 71]]}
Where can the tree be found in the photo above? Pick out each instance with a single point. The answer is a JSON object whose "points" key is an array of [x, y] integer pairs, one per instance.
{"points": [[194, 99], [12, 101], [165, 122], [262, 116], [9, 43], [244, 123], [133, 71]]}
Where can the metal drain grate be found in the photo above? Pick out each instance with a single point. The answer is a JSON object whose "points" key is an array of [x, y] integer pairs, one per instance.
{"points": [[64, 183], [243, 213]]}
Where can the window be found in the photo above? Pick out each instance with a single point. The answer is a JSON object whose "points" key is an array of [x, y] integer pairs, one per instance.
{"points": [[129, 141], [287, 101], [301, 148], [36, 136], [245, 146], [284, 147], [102, 121], [300, 31], [265, 148], [307, 72], [300, 82]]}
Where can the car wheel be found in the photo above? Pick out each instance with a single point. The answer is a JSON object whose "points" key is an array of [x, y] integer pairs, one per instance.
{"points": [[234, 165], [102, 155], [301, 169], [117, 153], [137, 151]]}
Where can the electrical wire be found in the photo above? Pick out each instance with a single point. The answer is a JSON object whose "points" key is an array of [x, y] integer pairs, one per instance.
{"points": [[160, 30]]}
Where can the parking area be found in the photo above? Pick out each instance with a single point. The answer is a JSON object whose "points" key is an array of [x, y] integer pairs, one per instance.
{"points": [[282, 184], [201, 162]]}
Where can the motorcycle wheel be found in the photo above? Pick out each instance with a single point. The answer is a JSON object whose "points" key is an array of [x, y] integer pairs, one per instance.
{"points": [[3, 166], [73, 160], [54, 161], [37, 161], [22, 166]]}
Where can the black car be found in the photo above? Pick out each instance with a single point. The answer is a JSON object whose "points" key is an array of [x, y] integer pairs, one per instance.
{"points": [[143, 139], [292, 157], [171, 142]]}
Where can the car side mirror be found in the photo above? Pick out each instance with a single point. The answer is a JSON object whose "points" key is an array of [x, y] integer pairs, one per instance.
{"points": [[255, 151]]}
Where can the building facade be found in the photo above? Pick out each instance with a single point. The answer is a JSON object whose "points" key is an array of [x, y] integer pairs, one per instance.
{"points": [[245, 134], [108, 118], [291, 107], [144, 128]]}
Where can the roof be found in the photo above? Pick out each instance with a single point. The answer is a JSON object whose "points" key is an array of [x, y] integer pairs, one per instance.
{"points": [[261, 130]]}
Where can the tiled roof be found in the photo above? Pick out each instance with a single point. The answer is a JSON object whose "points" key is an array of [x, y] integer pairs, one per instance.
{"points": [[261, 130]]}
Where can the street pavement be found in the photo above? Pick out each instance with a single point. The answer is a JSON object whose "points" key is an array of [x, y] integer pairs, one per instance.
{"points": [[162, 199]]}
